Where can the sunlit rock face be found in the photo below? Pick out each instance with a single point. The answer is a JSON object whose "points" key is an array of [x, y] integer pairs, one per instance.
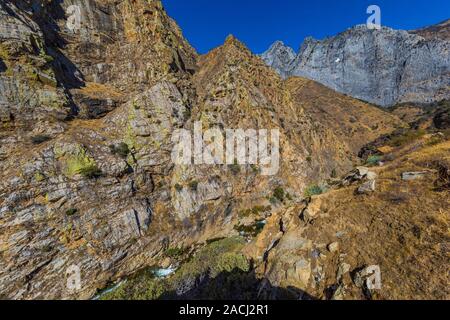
{"points": [[87, 178], [384, 67]]}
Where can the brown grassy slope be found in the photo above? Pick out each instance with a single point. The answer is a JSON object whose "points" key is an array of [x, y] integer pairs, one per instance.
{"points": [[403, 227]]}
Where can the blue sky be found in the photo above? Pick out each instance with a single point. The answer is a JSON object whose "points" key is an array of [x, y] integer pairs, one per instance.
{"points": [[258, 23]]}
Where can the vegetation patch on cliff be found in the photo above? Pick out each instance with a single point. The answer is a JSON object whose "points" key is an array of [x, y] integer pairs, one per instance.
{"points": [[222, 256]]}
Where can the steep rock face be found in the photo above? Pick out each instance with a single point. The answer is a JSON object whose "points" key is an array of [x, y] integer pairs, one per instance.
{"points": [[92, 183], [384, 66], [327, 242]]}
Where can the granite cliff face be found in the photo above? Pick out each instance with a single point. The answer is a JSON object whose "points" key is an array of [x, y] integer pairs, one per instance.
{"points": [[384, 67], [437, 31], [87, 122]]}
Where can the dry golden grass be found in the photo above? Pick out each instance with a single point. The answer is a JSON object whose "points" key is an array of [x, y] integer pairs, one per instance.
{"points": [[97, 90]]}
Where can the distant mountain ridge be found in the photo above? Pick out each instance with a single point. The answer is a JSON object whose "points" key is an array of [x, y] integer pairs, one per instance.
{"points": [[384, 67]]}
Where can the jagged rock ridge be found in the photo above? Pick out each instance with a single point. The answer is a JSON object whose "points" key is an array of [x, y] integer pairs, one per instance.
{"points": [[384, 67], [87, 177]]}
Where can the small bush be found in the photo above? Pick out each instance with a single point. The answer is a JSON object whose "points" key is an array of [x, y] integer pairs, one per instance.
{"points": [[214, 240], [235, 168], [136, 105], [47, 58], [71, 211], [193, 185], [178, 187], [91, 172], [256, 210], [187, 113], [333, 173], [313, 190], [121, 149], [47, 248], [40, 139], [435, 140], [255, 168]]}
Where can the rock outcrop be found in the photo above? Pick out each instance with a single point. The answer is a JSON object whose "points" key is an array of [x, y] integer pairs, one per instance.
{"points": [[384, 67], [386, 231]]}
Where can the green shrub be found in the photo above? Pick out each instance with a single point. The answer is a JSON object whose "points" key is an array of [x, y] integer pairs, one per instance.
{"points": [[187, 113], [235, 168], [406, 138], [47, 58], [273, 200], [279, 194], [255, 168], [121, 149], [91, 172], [374, 160], [193, 185], [209, 241], [219, 256], [251, 230], [174, 252], [178, 187], [256, 210], [333, 173], [136, 105], [313, 190], [40, 139], [71, 211], [47, 248]]}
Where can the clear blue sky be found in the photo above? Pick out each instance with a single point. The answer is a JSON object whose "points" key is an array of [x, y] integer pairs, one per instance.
{"points": [[258, 23]]}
